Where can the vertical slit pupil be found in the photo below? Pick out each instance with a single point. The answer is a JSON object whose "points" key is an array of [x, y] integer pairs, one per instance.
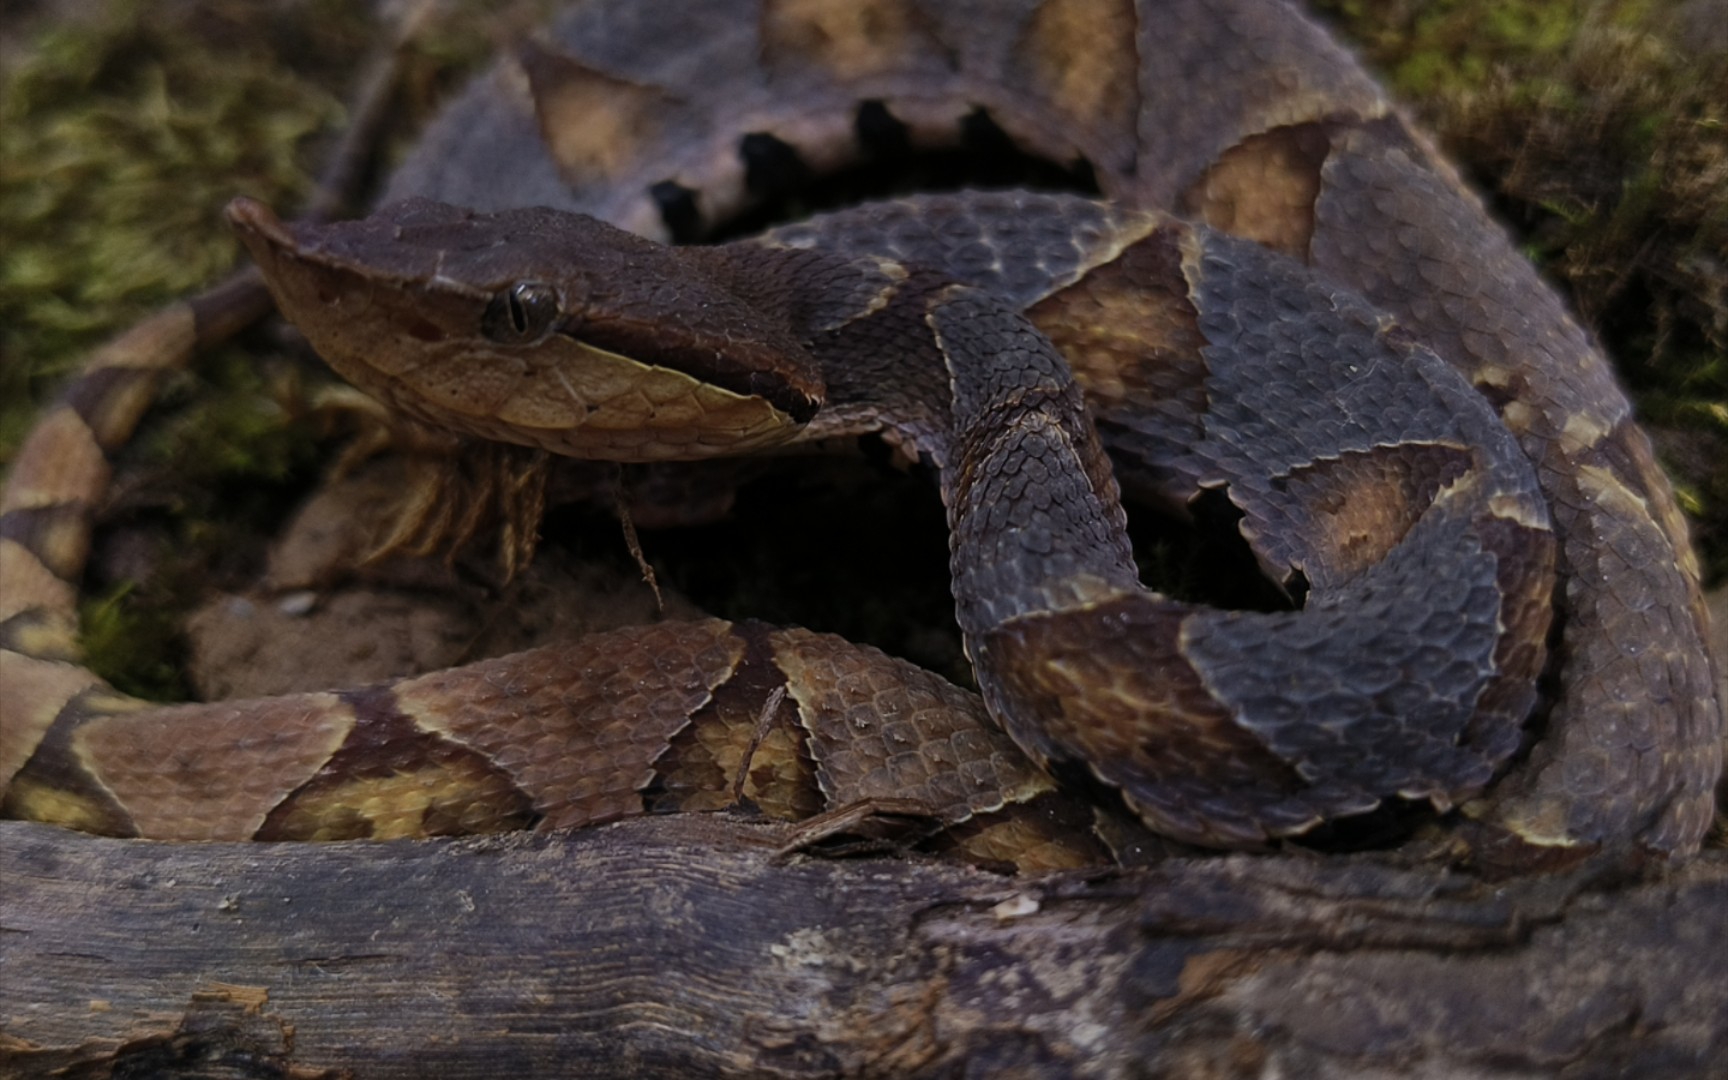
{"points": [[520, 314]]}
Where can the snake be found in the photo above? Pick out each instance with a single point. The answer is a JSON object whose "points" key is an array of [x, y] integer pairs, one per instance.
{"points": [[1282, 294]]}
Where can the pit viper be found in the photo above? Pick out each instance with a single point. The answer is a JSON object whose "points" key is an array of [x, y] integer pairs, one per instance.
{"points": [[1283, 295]]}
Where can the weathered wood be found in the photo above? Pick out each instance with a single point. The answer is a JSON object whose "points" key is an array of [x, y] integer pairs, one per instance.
{"points": [[681, 946]]}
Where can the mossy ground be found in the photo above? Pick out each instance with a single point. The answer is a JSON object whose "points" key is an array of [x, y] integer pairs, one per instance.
{"points": [[1597, 133]]}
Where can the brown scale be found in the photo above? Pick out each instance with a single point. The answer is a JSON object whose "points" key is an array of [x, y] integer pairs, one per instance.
{"points": [[1264, 187], [1098, 95], [579, 727], [55, 785], [1360, 505], [846, 41], [1128, 329], [884, 729], [1112, 684], [1526, 613], [1052, 832], [211, 772], [592, 122], [391, 779], [734, 738]]}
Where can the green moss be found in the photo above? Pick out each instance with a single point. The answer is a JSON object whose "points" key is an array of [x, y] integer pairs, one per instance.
{"points": [[122, 644], [120, 140]]}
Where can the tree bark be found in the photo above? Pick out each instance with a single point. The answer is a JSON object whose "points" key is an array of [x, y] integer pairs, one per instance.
{"points": [[684, 946]]}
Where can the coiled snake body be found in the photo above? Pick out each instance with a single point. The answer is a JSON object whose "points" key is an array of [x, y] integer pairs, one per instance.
{"points": [[1401, 410]]}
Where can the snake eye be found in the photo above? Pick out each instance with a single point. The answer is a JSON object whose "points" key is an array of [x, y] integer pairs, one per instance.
{"points": [[521, 314]]}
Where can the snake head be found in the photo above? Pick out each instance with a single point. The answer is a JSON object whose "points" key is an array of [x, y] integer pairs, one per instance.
{"points": [[536, 327]]}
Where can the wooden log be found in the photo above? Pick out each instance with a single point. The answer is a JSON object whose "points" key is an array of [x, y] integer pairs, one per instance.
{"points": [[683, 946]]}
